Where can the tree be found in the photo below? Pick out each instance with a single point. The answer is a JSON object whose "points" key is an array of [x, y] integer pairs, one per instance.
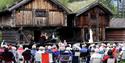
{"points": [[109, 4]]}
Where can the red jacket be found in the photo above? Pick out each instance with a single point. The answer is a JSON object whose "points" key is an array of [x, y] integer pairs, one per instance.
{"points": [[105, 58]]}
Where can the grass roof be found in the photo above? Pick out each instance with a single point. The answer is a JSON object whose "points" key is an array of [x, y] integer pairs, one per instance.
{"points": [[77, 5], [6, 3]]}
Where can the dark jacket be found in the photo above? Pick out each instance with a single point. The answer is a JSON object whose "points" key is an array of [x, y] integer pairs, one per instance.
{"points": [[8, 56], [27, 55]]}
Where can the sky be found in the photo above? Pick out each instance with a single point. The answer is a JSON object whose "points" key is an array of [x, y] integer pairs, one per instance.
{"points": [[115, 2]]}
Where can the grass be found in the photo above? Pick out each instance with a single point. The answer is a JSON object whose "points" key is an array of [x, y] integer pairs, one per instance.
{"points": [[76, 6], [6, 3]]}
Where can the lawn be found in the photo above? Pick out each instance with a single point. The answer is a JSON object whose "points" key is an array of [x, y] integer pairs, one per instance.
{"points": [[6, 3]]}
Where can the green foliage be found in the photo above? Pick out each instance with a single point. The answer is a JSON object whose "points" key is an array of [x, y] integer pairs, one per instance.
{"points": [[76, 5], [65, 2], [110, 5], [6, 3]]}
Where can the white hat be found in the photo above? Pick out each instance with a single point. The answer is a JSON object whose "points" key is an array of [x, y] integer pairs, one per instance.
{"points": [[108, 44], [4, 46], [114, 44], [14, 48], [26, 48], [20, 46], [49, 47], [68, 48], [41, 48], [34, 46], [84, 45]]}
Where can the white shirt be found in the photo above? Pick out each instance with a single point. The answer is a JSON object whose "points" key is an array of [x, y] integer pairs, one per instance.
{"points": [[96, 55], [38, 56]]}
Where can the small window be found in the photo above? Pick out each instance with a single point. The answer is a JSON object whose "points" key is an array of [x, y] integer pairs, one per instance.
{"points": [[41, 13], [93, 17]]}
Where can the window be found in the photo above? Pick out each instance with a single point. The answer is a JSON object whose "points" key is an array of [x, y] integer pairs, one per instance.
{"points": [[41, 13], [93, 17]]}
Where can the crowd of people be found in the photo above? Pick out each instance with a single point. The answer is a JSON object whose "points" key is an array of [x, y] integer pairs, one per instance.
{"points": [[64, 53]]}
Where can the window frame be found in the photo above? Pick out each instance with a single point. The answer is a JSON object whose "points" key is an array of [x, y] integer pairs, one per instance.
{"points": [[41, 13]]}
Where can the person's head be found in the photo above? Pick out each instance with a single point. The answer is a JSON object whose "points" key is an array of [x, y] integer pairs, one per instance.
{"points": [[96, 50], [14, 48], [6, 49], [49, 47], [68, 48], [34, 46], [109, 52], [26, 48], [20, 46], [41, 48]]}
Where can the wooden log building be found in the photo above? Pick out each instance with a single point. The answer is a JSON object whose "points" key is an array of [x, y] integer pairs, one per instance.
{"points": [[116, 30], [96, 17], [30, 18]]}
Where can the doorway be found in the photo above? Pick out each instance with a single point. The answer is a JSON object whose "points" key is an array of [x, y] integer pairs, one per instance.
{"points": [[37, 34]]}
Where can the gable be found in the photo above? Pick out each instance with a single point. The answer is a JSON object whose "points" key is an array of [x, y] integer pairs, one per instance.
{"points": [[40, 4], [95, 5], [76, 5]]}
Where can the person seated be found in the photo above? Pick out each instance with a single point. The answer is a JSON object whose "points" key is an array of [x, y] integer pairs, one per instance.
{"points": [[96, 57], [108, 56]]}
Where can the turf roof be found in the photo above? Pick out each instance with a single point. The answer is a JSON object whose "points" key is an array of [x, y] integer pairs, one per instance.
{"points": [[77, 5]]}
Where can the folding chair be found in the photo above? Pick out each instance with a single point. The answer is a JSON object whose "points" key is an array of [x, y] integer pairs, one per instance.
{"points": [[65, 58]]}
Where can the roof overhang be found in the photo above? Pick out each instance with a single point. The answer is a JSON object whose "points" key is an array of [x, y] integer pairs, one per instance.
{"points": [[94, 4], [23, 2]]}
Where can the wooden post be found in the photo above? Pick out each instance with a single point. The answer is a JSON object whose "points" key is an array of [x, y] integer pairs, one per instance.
{"points": [[103, 33], [97, 24], [82, 33]]}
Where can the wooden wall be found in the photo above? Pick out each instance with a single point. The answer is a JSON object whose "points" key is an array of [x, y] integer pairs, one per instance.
{"points": [[115, 34], [7, 20], [26, 14], [42, 4], [96, 19], [85, 19]]}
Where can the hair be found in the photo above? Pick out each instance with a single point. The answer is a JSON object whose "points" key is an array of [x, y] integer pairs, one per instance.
{"points": [[110, 53], [6, 49]]}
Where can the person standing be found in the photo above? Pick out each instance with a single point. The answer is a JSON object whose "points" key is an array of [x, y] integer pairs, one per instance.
{"points": [[8, 56]]}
